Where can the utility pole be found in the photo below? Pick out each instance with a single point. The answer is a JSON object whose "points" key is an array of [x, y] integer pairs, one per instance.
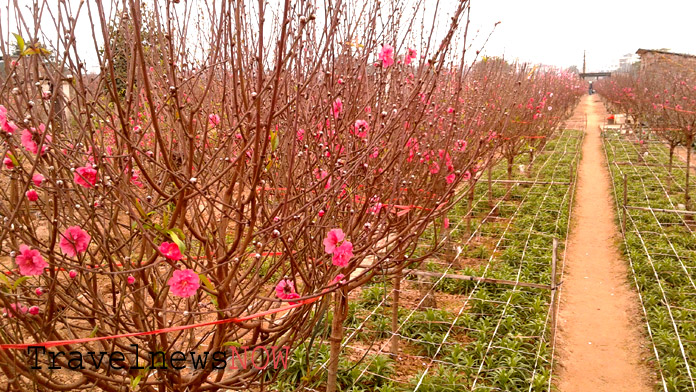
{"points": [[584, 52]]}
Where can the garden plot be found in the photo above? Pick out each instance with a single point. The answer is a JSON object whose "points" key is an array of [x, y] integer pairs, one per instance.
{"points": [[661, 248], [455, 334]]}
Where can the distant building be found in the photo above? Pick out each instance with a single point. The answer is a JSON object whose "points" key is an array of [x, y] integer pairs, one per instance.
{"points": [[650, 58], [626, 62]]}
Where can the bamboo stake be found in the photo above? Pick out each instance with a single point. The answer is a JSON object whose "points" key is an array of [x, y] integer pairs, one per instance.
{"points": [[477, 279], [490, 186], [532, 182], [395, 315], [660, 210], [554, 291], [645, 164], [625, 201]]}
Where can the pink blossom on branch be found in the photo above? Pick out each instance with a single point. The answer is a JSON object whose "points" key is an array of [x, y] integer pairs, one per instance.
{"points": [[411, 55], [32, 195], [38, 179], [337, 108], [170, 250], [8, 162], [337, 280], [85, 176], [74, 241], [32, 137], [30, 261], [184, 283], [387, 55], [213, 119], [7, 126], [361, 128], [332, 239], [342, 254], [285, 289]]}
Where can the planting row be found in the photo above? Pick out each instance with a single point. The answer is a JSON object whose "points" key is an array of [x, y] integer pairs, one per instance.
{"points": [[660, 245], [455, 334]]}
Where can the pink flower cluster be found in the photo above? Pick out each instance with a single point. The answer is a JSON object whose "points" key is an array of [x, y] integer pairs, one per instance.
{"points": [[341, 253], [170, 250], [213, 120], [386, 55], [74, 241], [361, 128], [337, 108], [410, 56], [5, 125], [31, 139], [30, 261], [85, 176], [183, 283], [285, 289]]}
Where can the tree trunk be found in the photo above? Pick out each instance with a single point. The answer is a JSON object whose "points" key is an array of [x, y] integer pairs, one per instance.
{"points": [[689, 146], [340, 302], [671, 157]]}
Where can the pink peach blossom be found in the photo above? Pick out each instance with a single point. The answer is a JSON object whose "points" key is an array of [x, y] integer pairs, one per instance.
{"points": [[184, 283], [131, 279], [30, 261], [7, 126], [332, 239], [337, 108], [85, 176], [361, 128], [213, 119], [32, 137], [386, 55], [450, 179], [411, 55], [170, 250], [300, 134], [337, 279], [342, 254], [285, 289], [38, 179], [74, 240], [72, 274], [8, 162], [32, 195], [34, 310], [15, 308]]}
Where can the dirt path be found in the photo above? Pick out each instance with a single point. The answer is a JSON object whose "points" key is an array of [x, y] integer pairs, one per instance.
{"points": [[600, 338]]}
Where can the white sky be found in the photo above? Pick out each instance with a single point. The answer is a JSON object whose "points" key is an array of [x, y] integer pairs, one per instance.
{"points": [[550, 32], [555, 32]]}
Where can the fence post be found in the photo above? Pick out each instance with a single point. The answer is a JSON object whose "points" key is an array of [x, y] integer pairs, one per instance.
{"points": [[554, 290], [395, 315], [625, 202]]}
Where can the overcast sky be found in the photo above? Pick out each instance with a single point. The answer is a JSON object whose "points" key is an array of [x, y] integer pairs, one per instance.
{"points": [[550, 32], [555, 32]]}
